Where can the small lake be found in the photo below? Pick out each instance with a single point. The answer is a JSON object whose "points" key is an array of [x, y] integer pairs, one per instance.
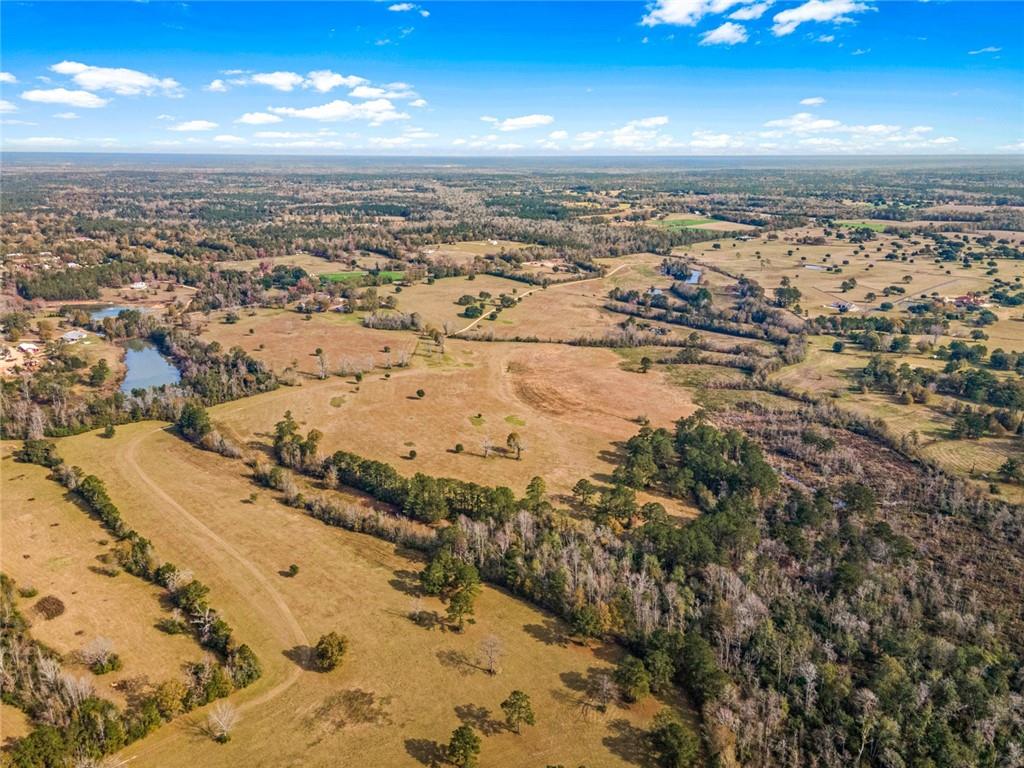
{"points": [[694, 277], [100, 314], [147, 367]]}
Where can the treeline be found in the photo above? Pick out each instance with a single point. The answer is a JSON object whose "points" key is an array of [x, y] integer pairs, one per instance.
{"points": [[90, 727], [79, 284]]}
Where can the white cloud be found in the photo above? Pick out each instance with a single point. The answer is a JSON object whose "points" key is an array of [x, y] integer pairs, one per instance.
{"points": [[66, 116], [216, 86], [489, 119], [803, 122], [460, 142], [684, 13], [387, 142], [1017, 146], [729, 33], [812, 101], [825, 38], [418, 103], [401, 7], [281, 81], [392, 91], [986, 49], [941, 140], [374, 111], [558, 135], [649, 122], [193, 125], [227, 138], [705, 140], [80, 99], [639, 135], [7, 107], [522, 123], [258, 118], [166, 143], [325, 80], [165, 117], [43, 142], [861, 51], [588, 136], [509, 147], [7, 77], [123, 82], [293, 134], [836, 11], [751, 12]]}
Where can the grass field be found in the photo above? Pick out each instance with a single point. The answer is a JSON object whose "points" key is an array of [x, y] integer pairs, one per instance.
{"points": [[284, 338], [574, 404], [355, 275], [53, 546], [402, 687]]}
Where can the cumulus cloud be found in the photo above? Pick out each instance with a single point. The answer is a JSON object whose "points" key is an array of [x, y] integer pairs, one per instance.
{"points": [[293, 134], [825, 38], [418, 103], [193, 125], [325, 80], [80, 99], [558, 135], [258, 118], [685, 13], [392, 91], [281, 81], [227, 138], [407, 7], [751, 12], [729, 33], [7, 77], [523, 122], [123, 82], [836, 11], [812, 101], [374, 111], [709, 140], [803, 122], [216, 86], [7, 107]]}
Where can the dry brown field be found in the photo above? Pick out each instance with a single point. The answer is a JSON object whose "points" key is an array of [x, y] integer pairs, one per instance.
{"points": [[402, 688], [52, 545], [570, 405]]}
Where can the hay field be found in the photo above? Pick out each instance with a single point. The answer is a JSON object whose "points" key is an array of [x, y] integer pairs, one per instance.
{"points": [[401, 689], [55, 547], [466, 251], [312, 264], [570, 405], [768, 261], [284, 338], [437, 303]]}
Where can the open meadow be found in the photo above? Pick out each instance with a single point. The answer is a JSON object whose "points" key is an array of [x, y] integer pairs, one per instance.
{"points": [[402, 688]]}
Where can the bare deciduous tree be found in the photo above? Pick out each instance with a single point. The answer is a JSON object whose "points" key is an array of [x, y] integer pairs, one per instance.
{"points": [[491, 651], [98, 651], [221, 721]]}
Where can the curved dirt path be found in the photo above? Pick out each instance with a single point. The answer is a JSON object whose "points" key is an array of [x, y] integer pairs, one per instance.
{"points": [[127, 455], [540, 288]]}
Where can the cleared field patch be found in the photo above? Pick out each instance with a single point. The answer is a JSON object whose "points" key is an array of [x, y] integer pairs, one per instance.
{"points": [[312, 264], [286, 339], [438, 303], [575, 403], [52, 545], [355, 275], [402, 687], [468, 250]]}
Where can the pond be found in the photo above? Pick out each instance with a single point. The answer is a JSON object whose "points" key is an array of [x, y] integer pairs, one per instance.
{"points": [[100, 314], [694, 277], [147, 367]]}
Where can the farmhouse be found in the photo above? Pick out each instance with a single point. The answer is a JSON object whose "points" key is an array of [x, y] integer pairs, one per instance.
{"points": [[843, 306], [138, 286], [28, 347]]}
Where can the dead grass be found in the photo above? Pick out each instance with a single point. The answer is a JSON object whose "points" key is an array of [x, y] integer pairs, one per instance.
{"points": [[53, 546], [402, 688]]}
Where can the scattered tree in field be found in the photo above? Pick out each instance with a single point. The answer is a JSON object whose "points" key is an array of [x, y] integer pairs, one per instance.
{"points": [[491, 651], [464, 747], [645, 364], [514, 444], [221, 721], [194, 421], [420, 394], [293, 570], [330, 650], [518, 710], [108, 431], [583, 492], [459, 448], [455, 582], [100, 657]]}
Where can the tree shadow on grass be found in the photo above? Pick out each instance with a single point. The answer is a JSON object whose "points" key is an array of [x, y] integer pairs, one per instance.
{"points": [[549, 632], [458, 661], [425, 751], [407, 582], [304, 656], [629, 743], [480, 718]]}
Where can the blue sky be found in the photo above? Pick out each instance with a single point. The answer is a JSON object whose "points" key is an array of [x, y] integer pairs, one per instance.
{"points": [[669, 77]]}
